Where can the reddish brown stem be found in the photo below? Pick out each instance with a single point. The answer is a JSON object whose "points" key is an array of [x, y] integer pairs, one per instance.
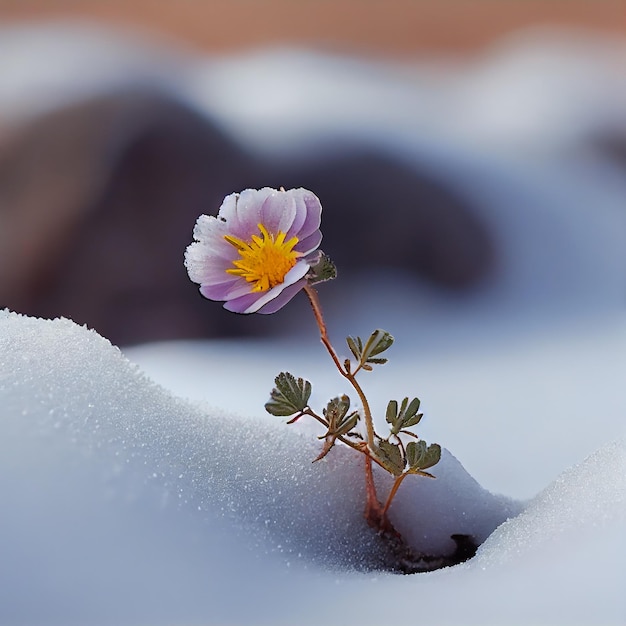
{"points": [[374, 512], [392, 493], [319, 318]]}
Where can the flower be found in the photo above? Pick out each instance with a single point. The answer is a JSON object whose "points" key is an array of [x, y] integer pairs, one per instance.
{"points": [[256, 253]]}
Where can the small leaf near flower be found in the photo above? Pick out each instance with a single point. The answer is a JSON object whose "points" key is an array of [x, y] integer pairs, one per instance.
{"points": [[290, 395], [420, 456], [322, 271]]}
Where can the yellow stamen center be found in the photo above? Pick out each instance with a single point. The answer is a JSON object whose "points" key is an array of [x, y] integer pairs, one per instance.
{"points": [[265, 260]]}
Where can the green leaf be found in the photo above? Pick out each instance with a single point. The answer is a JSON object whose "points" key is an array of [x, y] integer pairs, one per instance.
{"points": [[413, 408], [377, 361], [348, 423], [322, 271], [356, 346], [420, 456], [412, 421], [378, 342], [366, 354], [335, 410], [392, 412], [411, 416], [290, 395], [339, 423], [405, 417], [390, 455]]}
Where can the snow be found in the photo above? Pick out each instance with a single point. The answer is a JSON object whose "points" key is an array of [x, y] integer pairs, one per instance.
{"points": [[123, 503], [485, 393]]}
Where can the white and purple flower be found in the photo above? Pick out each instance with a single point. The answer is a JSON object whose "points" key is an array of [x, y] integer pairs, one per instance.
{"points": [[256, 253]]}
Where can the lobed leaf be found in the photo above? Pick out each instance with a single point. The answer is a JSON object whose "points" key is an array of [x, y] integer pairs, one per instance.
{"points": [[404, 417], [290, 395], [420, 456], [366, 354], [390, 455], [378, 342]]}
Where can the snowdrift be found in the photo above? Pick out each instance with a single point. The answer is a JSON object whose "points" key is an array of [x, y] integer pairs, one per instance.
{"points": [[124, 504]]}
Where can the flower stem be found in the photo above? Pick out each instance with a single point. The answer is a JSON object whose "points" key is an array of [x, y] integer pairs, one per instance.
{"points": [[319, 318], [392, 493], [374, 512]]}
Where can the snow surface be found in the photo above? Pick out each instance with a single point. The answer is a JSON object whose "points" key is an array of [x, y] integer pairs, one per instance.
{"points": [[490, 396], [125, 504]]}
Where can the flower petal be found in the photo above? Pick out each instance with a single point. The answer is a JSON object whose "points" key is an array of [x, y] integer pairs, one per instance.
{"points": [[203, 266], [251, 303], [310, 243], [242, 304], [282, 298], [243, 215], [227, 290], [313, 213], [278, 211]]}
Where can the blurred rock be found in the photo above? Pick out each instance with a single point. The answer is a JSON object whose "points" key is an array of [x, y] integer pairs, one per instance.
{"points": [[99, 200]]}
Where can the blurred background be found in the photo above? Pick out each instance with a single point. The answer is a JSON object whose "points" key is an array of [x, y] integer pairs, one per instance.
{"points": [[392, 28], [470, 155]]}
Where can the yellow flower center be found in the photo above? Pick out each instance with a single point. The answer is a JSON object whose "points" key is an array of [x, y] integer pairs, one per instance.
{"points": [[265, 260]]}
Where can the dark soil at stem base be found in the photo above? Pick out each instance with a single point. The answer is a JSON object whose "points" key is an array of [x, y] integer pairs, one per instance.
{"points": [[404, 560]]}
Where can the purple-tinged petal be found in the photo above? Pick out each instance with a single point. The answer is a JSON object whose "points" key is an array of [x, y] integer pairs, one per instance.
{"points": [[282, 298], [309, 244], [227, 290], [296, 273], [228, 214], [203, 266], [278, 211], [300, 213], [313, 214], [244, 217], [201, 262], [251, 303], [308, 213], [241, 304]]}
